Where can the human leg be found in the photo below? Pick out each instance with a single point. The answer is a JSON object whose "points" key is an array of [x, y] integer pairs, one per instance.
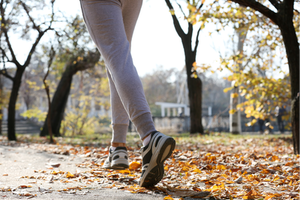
{"points": [[104, 20], [157, 146], [120, 119], [118, 157], [108, 22]]}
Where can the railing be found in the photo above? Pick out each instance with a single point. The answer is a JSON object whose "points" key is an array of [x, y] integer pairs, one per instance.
{"points": [[218, 123], [22, 127]]}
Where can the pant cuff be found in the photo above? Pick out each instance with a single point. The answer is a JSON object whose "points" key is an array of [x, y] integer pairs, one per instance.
{"points": [[119, 133], [144, 124]]}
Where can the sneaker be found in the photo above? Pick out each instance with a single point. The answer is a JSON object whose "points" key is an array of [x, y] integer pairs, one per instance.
{"points": [[154, 154], [117, 159]]}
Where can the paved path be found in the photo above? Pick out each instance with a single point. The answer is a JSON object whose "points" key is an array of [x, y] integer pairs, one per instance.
{"points": [[16, 162]]}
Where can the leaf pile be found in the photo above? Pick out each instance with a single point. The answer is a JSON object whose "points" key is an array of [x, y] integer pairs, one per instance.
{"points": [[243, 169]]}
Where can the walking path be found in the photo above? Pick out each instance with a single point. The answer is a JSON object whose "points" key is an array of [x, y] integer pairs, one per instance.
{"points": [[20, 178]]}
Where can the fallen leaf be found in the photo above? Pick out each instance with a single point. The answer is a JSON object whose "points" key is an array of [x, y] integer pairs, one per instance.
{"points": [[55, 165], [134, 165]]}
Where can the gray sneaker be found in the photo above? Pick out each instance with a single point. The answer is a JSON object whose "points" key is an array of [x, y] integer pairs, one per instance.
{"points": [[117, 159], [154, 154]]}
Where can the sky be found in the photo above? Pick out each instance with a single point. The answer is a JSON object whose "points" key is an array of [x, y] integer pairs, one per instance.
{"points": [[155, 43]]}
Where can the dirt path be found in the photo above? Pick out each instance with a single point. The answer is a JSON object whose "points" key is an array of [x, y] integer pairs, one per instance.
{"points": [[21, 176]]}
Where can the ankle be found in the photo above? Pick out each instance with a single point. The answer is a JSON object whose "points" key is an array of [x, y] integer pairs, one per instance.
{"points": [[118, 144], [114, 145]]}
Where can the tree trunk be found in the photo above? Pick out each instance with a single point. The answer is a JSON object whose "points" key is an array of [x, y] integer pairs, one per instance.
{"points": [[1, 104], [194, 84], [295, 124], [292, 50], [195, 96], [235, 118], [1, 119], [59, 102], [11, 134], [60, 98]]}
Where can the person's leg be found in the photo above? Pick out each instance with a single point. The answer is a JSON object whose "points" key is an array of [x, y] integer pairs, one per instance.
{"points": [[120, 119], [104, 20], [108, 21], [118, 157]]}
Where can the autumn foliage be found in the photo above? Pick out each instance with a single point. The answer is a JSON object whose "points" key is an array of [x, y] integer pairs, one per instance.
{"points": [[240, 168]]}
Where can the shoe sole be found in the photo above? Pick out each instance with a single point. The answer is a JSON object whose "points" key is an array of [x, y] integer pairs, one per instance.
{"points": [[118, 167], [155, 171], [118, 164]]}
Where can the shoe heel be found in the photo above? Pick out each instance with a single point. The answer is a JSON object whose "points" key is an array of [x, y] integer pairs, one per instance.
{"points": [[167, 148]]}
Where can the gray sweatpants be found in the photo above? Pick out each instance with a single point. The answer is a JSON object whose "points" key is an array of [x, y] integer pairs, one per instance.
{"points": [[111, 24]]}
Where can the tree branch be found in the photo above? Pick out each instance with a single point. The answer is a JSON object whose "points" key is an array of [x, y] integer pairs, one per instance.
{"points": [[259, 7], [197, 40], [51, 58], [40, 35], [88, 61], [181, 10], [175, 21], [4, 55], [29, 16], [4, 29], [4, 73], [275, 3], [200, 6]]}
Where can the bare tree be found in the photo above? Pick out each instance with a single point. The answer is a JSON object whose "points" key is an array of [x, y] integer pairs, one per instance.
{"points": [[10, 11]]}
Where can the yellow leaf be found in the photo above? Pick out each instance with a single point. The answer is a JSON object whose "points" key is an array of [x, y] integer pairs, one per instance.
{"points": [[269, 197], [221, 167], [271, 127], [70, 175], [197, 170], [234, 95], [54, 173], [185, 169], [172, 12], [194, 64], [232, 111], [126, 171], [227, 89], [168, 197], [134, 165]]}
